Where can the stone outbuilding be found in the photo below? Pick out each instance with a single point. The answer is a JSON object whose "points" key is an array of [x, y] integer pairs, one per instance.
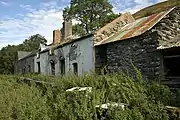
{"points": [[152, 44]]}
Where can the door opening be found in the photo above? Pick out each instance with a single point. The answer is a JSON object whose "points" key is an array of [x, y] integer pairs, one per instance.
{"points": [[52, 67], [75, 68], [62, 65], [39, 67]]}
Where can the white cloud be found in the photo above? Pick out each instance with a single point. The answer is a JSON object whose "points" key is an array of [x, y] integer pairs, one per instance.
{"points": [[42, 21], [4, 3], [139, 5], [27, 7]]}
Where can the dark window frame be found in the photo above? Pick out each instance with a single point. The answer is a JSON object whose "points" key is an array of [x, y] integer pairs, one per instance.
{"points": [[62, 66], [39, 67], [29, 68], [75, 68], [53, 67]]}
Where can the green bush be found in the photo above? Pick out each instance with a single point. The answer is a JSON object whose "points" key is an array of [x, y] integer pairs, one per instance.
{"points": [[21, 101], [146, 100]]}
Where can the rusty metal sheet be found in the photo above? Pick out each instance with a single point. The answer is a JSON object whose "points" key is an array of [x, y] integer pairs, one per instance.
{"points": [[136, 28]]}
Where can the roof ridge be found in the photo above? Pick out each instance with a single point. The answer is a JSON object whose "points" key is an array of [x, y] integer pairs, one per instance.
{"points": [[135, 28]]}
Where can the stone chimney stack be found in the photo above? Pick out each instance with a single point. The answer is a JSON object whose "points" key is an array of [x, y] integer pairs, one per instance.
{"points": [[56, 36], [67, 26]]}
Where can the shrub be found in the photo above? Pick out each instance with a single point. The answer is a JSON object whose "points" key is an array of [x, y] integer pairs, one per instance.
{"points": [[21, 101], [145, 100]]}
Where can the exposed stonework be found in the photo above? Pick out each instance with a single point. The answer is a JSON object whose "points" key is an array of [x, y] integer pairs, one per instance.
{"points": [[169, 29], [139, 51]]}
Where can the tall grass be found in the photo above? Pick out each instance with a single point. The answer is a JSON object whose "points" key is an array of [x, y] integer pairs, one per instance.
{"points": [[146, 100]]}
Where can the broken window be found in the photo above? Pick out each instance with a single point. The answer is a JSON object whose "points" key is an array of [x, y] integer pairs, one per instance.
{"points": [[52, 67], [39, 67], [62, 65], [172, 62], [172, 65], [24, 70], [29, 68], [75, 68]]}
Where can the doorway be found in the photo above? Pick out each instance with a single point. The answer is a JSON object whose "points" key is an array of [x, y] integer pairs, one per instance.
{"points": [[52, 67], [62, 66], [75, 68]]}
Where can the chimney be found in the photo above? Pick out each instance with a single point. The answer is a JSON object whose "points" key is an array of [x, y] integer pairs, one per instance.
{"points": [[67, 26], [56, 36]]}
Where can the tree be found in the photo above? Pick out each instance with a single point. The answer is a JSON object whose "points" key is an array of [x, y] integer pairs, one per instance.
{"points": [[33, 42], [8, 54], [78, 30], [7, 59], [92, 14]]}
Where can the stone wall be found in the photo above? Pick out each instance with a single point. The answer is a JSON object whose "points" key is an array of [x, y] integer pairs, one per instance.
{"points": [[139, 51], [168, 28], [25, 66]]}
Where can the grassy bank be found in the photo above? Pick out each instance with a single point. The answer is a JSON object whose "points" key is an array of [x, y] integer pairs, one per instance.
{"points": [[145, 100]]}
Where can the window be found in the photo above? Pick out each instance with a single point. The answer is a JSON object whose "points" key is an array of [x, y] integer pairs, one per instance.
{"points": [[39, 67], [75, 68], [29, 68], [24, 70], [62, 64], [32, 66], [52, 67], [171, 63]]}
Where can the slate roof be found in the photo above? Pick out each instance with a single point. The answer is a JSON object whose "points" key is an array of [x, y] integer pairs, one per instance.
{"points": [[33, 53], [22, 54], [135, 28]]}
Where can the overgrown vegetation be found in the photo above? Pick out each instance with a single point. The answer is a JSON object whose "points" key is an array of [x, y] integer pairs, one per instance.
{"points": [[146, 101]]}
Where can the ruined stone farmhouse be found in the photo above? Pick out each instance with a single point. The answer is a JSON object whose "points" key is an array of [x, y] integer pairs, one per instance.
{"points": [[151, 44]]}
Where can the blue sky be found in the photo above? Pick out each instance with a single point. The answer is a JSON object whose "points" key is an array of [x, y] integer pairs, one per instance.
{"points": [[20, 19]]}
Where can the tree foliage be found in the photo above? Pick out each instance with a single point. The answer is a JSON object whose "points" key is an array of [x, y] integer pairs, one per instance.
{"points": [[91, 14], [33, 42], [8, 54]]}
